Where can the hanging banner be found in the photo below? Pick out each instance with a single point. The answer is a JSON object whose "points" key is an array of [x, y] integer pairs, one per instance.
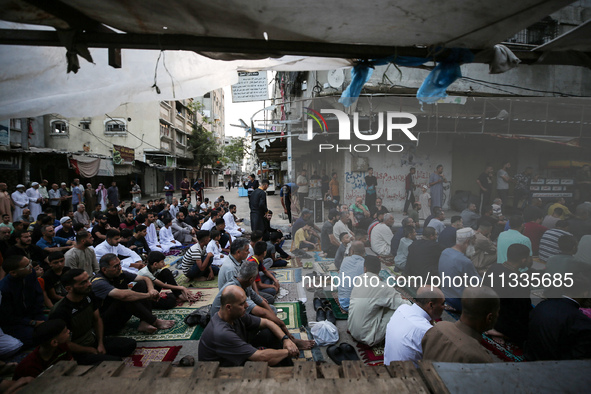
{"points": [[123, 155], [251, 86]]}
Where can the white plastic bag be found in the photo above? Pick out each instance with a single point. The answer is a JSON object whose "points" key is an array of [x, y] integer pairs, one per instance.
{"points": [[325, 333]]}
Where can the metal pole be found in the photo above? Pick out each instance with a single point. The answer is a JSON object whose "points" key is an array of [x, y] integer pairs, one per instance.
{"points": [[289, 163]]}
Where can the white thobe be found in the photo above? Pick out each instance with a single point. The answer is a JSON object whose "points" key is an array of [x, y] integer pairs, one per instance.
{"points": [[167, 240], [21, 201], [231, 226], [214, 248], [34, 206], [132, 257], [152, 239]]}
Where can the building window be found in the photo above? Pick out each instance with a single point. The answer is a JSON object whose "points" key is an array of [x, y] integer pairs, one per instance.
{"points": [[85, 125], [181, 138], [115, 126], [164, 130], [59, 127], [15, 124]]}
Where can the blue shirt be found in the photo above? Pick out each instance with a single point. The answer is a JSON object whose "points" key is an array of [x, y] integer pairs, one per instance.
{"points": [[508, 238], [453, 263], [447, 238], [351, 267], [56, 241], [76, 195]]}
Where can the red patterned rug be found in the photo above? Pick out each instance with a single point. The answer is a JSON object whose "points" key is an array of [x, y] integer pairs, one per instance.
{"points": [[373, 355], [145, 355]]}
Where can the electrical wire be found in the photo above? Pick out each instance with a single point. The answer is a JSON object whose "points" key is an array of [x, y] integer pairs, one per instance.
{"points": [[522, 88]]}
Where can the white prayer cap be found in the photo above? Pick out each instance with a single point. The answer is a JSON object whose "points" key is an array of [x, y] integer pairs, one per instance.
{"points": [[20, 185], [463, 234], [35, 184], [65, 219]]}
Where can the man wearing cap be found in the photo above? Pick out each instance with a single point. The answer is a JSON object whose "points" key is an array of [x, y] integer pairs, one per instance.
{"points": [[66, 231], [20, 200], [99, 230], [454, 262]]}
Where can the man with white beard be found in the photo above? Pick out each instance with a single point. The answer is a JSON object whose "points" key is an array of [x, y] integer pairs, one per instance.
{"points": [[35, 199], [455, 262]]}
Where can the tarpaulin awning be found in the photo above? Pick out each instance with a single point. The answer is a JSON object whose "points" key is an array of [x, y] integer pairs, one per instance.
{"points": [[34, 81]]}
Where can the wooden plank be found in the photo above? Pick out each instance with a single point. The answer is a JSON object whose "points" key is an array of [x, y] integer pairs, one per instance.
{"points": [[432, 378], [61, 368], [304, 369], [380, 371], [255, 370], [352, 369], [180, 373], [130, 372], [107, 369], [80, 370], [229, 373], [156, 370], [330, 371], [416, 385], [280, 374], [205, 369]]}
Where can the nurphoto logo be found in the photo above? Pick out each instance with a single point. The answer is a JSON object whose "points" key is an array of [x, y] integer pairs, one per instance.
{"points": [[391, 120]]}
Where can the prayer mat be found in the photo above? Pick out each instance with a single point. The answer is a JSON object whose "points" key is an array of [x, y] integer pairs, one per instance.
{"points": [[295, 292], [172, 261], [179, 332], [387, 260], [182, 280], [206, 296], [371, 355], [290, 314], [324, 267], [507, 352], [142, 356], [317, 257], [307, 355], [333, 298], [174, 252], [290, 275]]}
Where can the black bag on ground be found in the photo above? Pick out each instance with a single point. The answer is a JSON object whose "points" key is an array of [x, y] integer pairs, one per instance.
{"points": [[199, 316]]}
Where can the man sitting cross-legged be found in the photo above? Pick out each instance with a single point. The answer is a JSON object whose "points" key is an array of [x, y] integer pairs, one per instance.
{"points": [[53, 338], [226, 337], [131, 263], [265, 285], [196, 264], [163, 278], [119, 302], [372, 304], [409, 323], [79, 309], [256, 305]]}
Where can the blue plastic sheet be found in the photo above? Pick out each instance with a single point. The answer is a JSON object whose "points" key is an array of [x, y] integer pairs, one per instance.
{"points": [[444, 74], [362, 72]]}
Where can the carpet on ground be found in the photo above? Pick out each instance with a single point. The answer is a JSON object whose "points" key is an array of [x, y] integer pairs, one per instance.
{"points": [[142, 356], [307, 355], [318, 257], [182, 280], [325, 267], [290, 292], [291, 314], [333, 298], [206, 296], [371, 355], [290, 275], [172, 261], [179, 332]]}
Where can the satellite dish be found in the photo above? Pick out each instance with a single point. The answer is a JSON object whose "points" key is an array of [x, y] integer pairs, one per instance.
{"points": [[336, 78]]}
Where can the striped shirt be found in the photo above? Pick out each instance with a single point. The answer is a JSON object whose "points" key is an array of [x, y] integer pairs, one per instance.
{"points": [[549, 243], [191, 256]]}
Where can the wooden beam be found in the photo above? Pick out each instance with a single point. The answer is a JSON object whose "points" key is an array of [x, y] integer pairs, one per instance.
{"points": [[221, 45]]}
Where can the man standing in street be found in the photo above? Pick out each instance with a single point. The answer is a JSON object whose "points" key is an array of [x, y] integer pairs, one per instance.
{"points": [[436, 180], [503, 180], [371, 184], [5, 202], [44, 193], [184, 186], [485, 184], [198, 188], [302, 182], [35, 200], [76, 194], [20, 201], [113, 194], [258, 206], [136, 192], [410, 190], [168, 191]]}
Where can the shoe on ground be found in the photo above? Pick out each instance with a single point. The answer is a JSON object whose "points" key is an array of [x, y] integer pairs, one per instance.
{"points": [[330, 315], [320, 314]]}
